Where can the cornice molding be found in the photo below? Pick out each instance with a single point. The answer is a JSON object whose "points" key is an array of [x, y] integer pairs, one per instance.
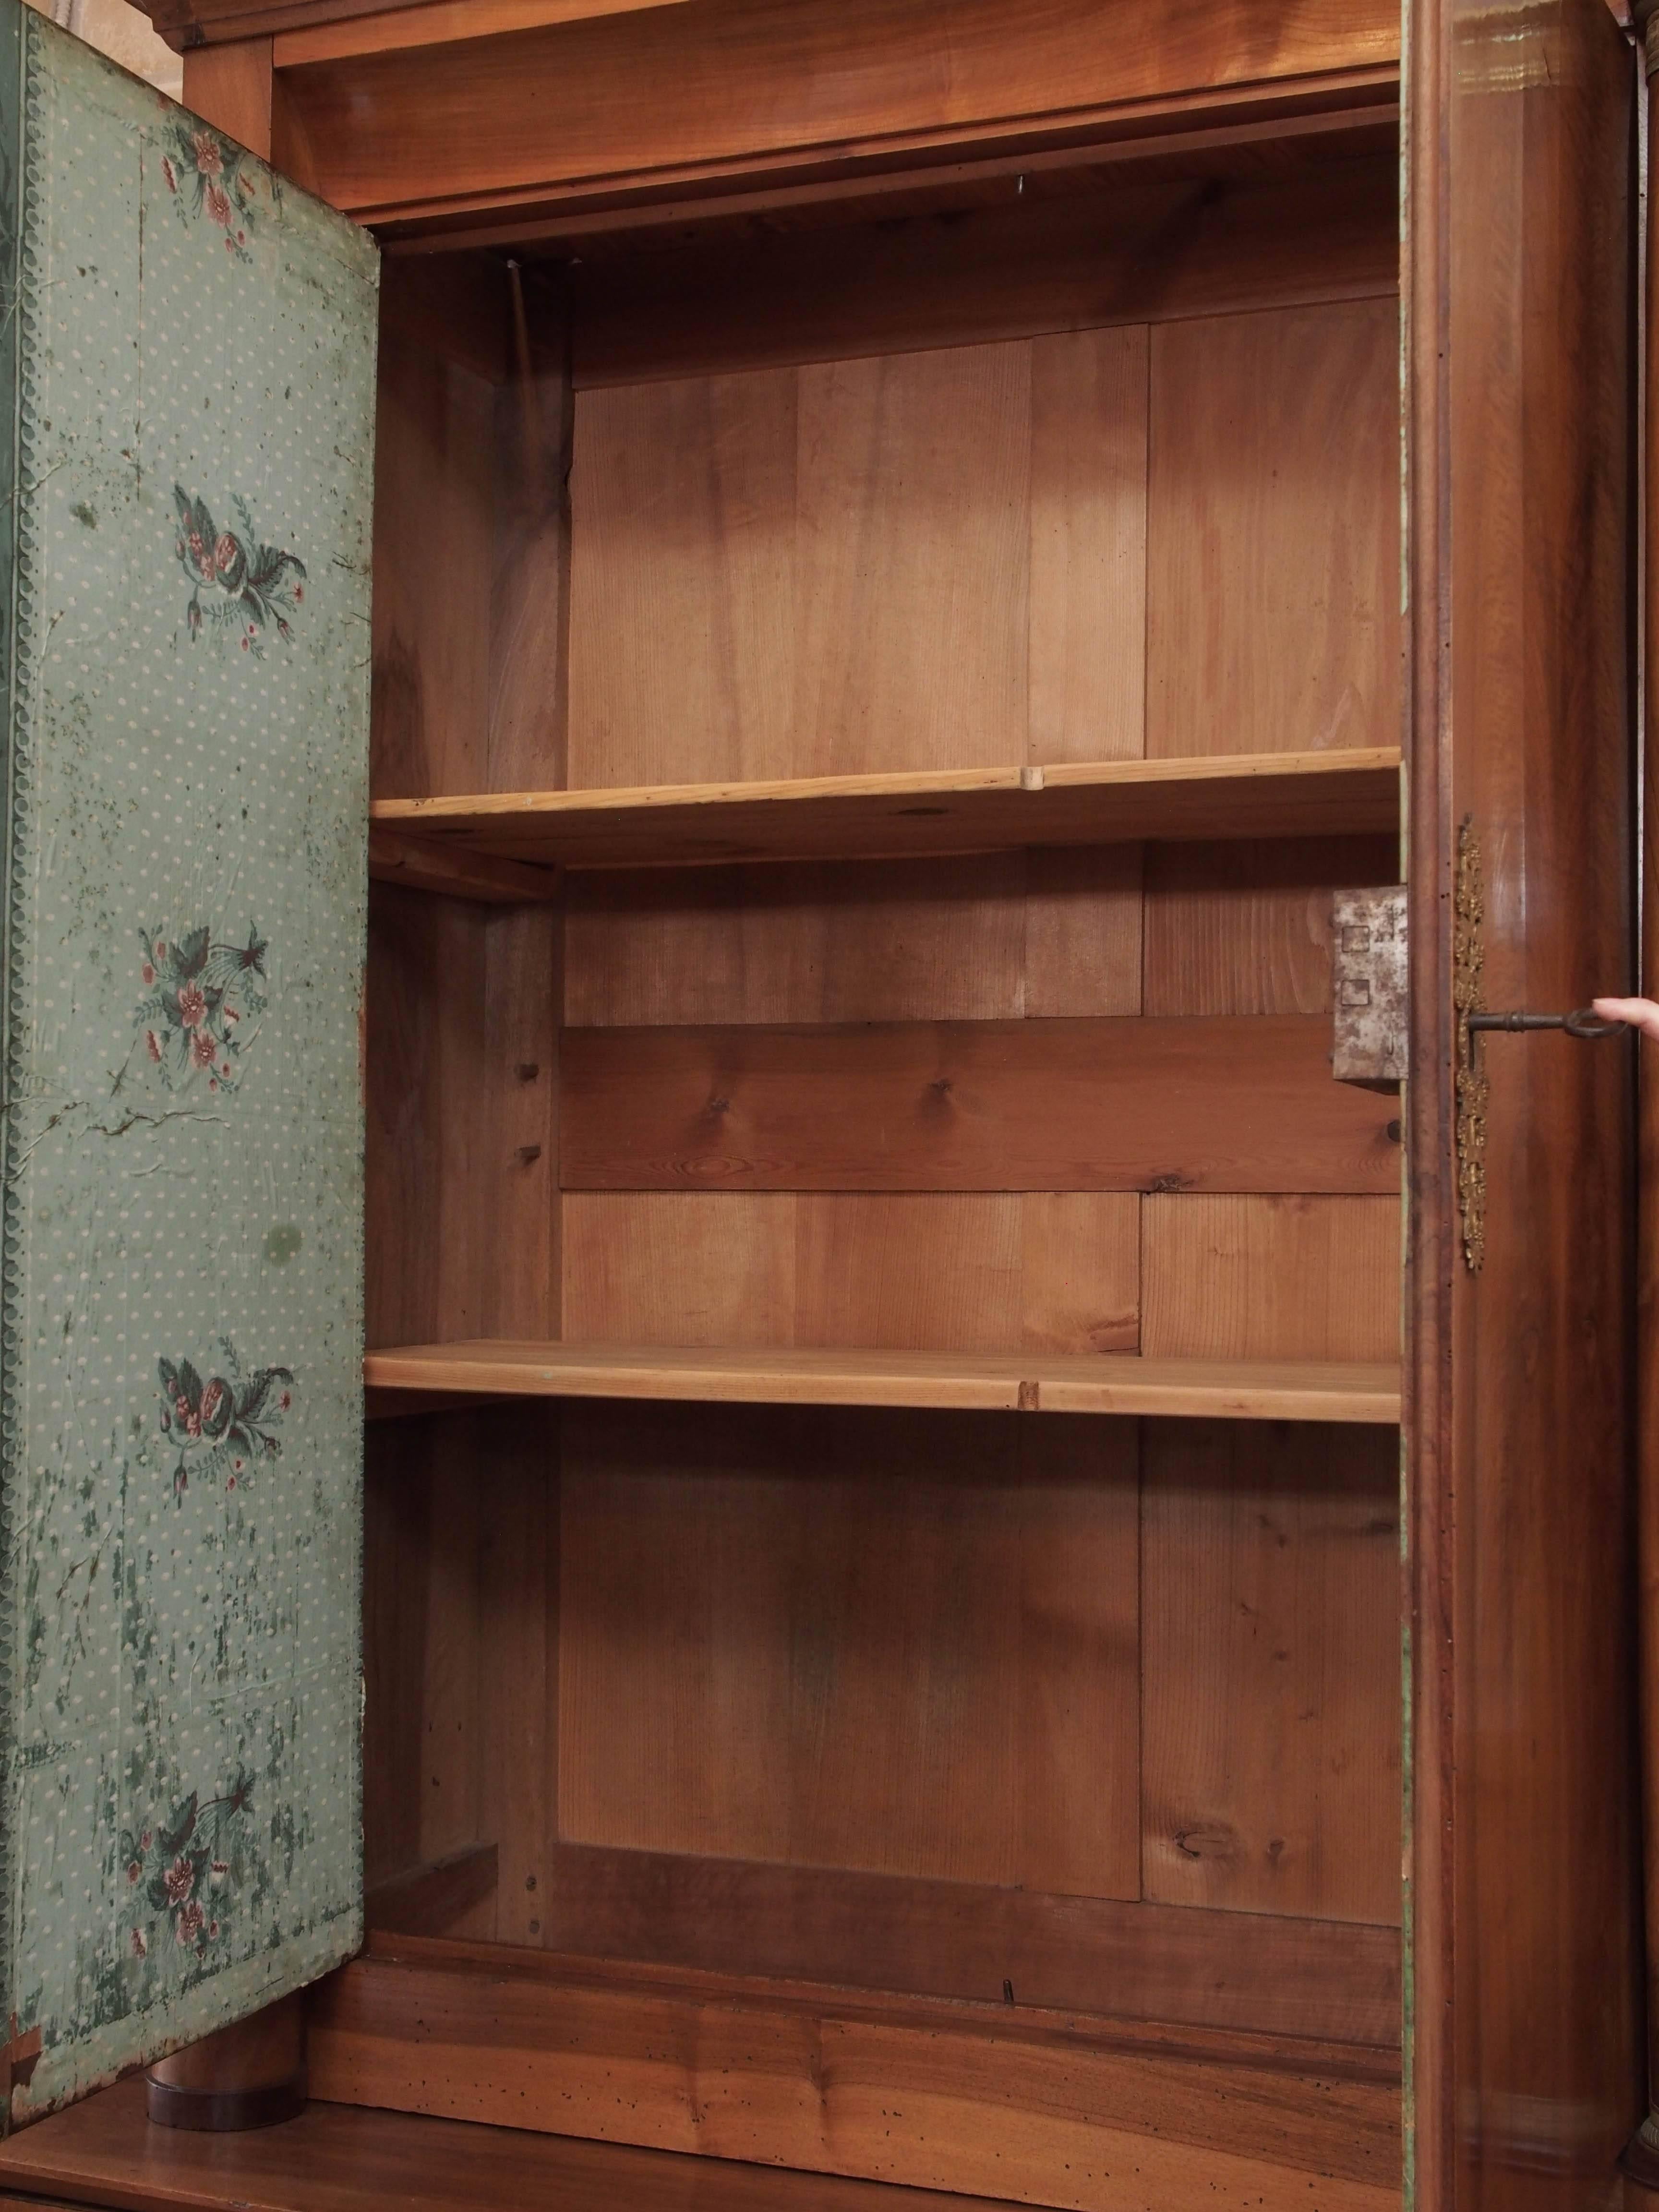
{"points": [[186, 23]]}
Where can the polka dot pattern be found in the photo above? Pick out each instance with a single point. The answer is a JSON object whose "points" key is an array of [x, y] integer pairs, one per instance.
{"points": [[172, 1647]]}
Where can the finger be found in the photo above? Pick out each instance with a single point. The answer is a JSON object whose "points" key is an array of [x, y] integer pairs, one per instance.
{"points": [[1641, 1014]]}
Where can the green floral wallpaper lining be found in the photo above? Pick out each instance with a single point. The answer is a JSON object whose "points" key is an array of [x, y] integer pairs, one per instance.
{"points": [[188, 361]]}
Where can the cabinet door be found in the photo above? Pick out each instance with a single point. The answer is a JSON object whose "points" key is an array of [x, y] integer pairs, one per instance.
{"points": [[1526, 1944], [186, 433]]}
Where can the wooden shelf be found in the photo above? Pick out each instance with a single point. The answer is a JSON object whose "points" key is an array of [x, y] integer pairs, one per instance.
{"points": [[1243, 1390], [344, 2158], [503, 846]]}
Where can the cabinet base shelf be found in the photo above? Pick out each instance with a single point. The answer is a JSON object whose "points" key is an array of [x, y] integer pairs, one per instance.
{"points": [[103, 2154], [1104, 2115], [1110, 1383]]}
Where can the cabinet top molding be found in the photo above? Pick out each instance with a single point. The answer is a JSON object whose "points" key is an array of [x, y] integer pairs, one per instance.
{"points": [[328, 30]]}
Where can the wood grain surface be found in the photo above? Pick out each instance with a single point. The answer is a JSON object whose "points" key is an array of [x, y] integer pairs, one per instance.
{"points": [[462, 1203], [1270, 1688], [461, 1661], [433, 22], [1053, 1271], [337, 2159], [1245, 1390], [1270, 1277], [1273, 1973], [760, 588], [1014, 247], [742, 86], [905, 1646], [1528, 1999], [1272, 552], [992, 568], [231, 86], [979, 937], [1099, 2116], [1245, 928], [434, 466], [1220, 1103], [900, 811], [436, 1899]]}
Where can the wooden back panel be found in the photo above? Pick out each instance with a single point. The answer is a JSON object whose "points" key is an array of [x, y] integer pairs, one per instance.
{"points": [[1092, 545], [1105, 1712]]}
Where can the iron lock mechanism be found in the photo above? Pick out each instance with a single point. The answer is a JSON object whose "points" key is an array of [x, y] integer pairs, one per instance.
{"points": [[1369, 996]]}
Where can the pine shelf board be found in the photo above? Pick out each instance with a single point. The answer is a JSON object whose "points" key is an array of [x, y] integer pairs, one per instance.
{"points": [[1119, 1383], [500, 845]]}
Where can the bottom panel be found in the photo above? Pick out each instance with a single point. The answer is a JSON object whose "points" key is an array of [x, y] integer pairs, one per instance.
{"points": [[1332, 1981], [332, 2159], [1041, 2109]]}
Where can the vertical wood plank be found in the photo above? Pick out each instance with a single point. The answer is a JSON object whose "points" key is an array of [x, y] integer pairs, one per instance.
{"points": [[513, 1178], [1080, 1271], [1270, 1718], [1088, 591], [1079, 1667], [673, 1718], [799, 572], [434, 476], [686, 1267], [683, 575], [397, 1539], [552, 1640], [1268, 1277], [903, 1751], [518, 1487], [804, 1636], [426, 1239], [914, 1272], [1272, 588], [530, 576], [452, 1765], [1083, 930], [914, 560], [230, 86], [1245, 927]]}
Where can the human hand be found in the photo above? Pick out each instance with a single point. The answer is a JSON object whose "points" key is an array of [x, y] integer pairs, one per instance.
{"points": [[1641, 1014]]}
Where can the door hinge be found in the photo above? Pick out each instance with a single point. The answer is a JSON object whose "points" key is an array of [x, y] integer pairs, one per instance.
{"points": [[1368, 986]]}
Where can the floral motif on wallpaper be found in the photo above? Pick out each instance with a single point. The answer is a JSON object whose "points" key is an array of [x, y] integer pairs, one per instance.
{"points": [[201, 1004], [182, 1866], [224, 1422], [237, 582], [209, 175]]}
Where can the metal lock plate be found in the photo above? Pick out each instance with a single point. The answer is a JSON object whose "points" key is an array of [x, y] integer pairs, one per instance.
{"points": [[1368, 986]]}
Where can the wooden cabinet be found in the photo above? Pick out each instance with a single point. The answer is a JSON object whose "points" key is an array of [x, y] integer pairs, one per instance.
{"points": [[885, 1647]]}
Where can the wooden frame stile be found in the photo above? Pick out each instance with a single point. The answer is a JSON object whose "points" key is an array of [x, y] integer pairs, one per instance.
{"points": [[1522, 2005], [1641, 2159], [1428, 2112]]}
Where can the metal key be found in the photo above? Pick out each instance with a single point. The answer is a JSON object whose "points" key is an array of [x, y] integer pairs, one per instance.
{"points": [[1583, 1021]]}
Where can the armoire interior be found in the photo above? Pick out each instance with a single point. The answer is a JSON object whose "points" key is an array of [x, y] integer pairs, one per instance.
{"points": [[972, 597]]}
